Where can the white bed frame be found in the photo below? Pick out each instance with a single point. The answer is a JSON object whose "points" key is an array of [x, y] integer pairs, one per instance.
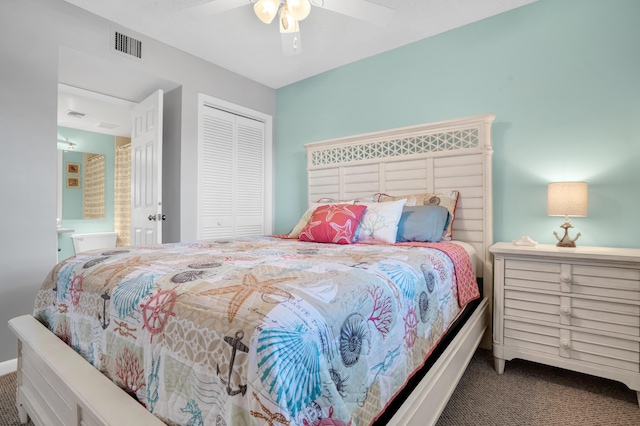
{"points": [[56, 386], [435, 157]]}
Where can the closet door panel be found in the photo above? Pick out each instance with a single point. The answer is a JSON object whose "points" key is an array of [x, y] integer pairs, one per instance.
{"points": [[232, 183], [217, 162], [249, 178]]}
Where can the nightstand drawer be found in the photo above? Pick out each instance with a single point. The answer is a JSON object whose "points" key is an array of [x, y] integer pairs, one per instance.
{"points": [[557, 309], [604, 316], [529, 305], [529, 274], [593, 280], [619, 283], [535, 337], [605, 350], [588, 347]]}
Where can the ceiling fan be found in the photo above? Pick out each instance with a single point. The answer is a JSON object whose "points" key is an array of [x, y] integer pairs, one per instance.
{"points": [[291, 12]]}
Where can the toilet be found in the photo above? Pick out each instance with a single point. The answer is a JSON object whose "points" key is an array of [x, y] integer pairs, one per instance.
{"points": [[98, 240]]}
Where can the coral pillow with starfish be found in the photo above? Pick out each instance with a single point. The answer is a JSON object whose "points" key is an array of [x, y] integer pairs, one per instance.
{"points": [[333, 223]]}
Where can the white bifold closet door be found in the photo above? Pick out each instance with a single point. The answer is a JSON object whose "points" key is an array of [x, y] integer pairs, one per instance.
{"points": [[232, 178]]}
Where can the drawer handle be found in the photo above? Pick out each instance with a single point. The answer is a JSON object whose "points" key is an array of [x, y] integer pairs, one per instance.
{"points": [[565, 344], [565, 310], [565, 278]]}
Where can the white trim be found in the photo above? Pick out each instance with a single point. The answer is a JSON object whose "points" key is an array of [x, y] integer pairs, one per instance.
{"points": [[480, 122], [210, 101], [8, 366], [95, 96]]}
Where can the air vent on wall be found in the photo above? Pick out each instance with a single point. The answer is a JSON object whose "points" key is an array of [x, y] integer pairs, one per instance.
{"points": [[127, 45]]}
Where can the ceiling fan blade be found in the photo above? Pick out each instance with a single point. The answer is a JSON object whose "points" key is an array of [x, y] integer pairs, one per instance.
{"points": [[291, 43], [358, 9], [218, 6]]}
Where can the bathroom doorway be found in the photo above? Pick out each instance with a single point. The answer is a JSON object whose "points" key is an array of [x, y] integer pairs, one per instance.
{"points": [[124, 81], [94, 155]]}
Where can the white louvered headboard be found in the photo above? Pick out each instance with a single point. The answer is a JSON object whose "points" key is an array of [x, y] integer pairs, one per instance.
{"points": [[435, 157]]}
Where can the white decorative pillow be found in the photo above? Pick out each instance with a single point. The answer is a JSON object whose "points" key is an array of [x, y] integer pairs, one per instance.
{"points": [[380, 222], [295, 232]]}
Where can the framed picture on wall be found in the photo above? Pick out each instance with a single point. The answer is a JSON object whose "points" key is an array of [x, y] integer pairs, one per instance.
{"points": [[73, 168], [73, 182]]}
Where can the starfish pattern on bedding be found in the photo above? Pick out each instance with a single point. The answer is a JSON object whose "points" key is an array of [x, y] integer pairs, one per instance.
{"points": [[334, 209], [306, 231], [366, 257], [118, 267], [342, 232], [250, 284]]}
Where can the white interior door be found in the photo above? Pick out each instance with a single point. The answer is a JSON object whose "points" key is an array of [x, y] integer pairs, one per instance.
{"points": [[146, 171]]}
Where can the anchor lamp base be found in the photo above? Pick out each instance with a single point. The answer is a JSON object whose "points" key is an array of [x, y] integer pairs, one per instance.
{"points": [[566, 241]]}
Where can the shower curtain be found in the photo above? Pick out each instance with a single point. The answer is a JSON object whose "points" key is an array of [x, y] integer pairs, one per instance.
{"points": [[122, 195], [93, 199]]}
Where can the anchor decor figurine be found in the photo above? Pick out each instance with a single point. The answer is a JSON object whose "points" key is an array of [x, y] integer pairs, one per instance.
{"points": [[567, 199], [566, 241]]}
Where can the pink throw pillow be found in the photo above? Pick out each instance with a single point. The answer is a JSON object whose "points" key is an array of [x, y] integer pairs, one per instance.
{"points": [[334, 223]]}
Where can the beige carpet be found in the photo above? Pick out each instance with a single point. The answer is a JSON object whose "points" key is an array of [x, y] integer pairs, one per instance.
{"points": [[529, 394], [8, 410], [526, 394]]}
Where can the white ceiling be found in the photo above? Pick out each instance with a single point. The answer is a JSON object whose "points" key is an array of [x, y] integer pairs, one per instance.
{"points": [[100, 113], [238, 41]]}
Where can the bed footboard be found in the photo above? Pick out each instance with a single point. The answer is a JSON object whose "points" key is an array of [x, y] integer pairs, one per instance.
{"points": [[56, 386], [425, 404]]}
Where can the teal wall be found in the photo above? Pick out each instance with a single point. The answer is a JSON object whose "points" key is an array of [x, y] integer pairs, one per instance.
{"points": [[96, 143], [72, 198], [562, 78]]}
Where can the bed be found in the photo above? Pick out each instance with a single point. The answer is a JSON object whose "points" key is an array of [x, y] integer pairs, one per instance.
{"points": [[272, 330]]}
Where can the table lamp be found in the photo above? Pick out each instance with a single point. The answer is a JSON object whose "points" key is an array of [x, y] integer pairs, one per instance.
{"points": [[567, 199]]}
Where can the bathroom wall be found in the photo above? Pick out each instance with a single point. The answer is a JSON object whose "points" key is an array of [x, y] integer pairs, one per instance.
{"points": [[96, 143]]}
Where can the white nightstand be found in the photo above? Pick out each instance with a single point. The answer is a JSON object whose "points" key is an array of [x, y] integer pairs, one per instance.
{"points": [[574, 308]]}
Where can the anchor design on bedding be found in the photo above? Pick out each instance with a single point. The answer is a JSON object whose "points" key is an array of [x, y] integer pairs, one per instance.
{"points": [[103, 317], [236, 344]]}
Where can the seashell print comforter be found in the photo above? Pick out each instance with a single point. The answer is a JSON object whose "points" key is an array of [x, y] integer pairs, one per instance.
{"points": [[258, 331]]}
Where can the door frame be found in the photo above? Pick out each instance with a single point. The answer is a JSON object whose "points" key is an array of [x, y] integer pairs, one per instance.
{"points": [[207, 101]]}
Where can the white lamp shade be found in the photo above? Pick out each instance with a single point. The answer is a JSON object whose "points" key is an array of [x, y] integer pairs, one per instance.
{"points": [[299, 9], [567, 199], [266, 10], [287, 22]]}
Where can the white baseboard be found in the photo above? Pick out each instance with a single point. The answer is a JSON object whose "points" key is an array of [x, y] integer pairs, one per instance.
{"points": [[8, 366]]}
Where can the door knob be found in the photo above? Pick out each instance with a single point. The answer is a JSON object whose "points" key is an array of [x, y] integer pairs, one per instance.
{"points": [[164, 217], [152, 217]]}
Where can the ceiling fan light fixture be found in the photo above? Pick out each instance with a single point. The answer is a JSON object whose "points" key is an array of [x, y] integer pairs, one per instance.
{"points": [[288, 23], [266, 10], [299, 9]]}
